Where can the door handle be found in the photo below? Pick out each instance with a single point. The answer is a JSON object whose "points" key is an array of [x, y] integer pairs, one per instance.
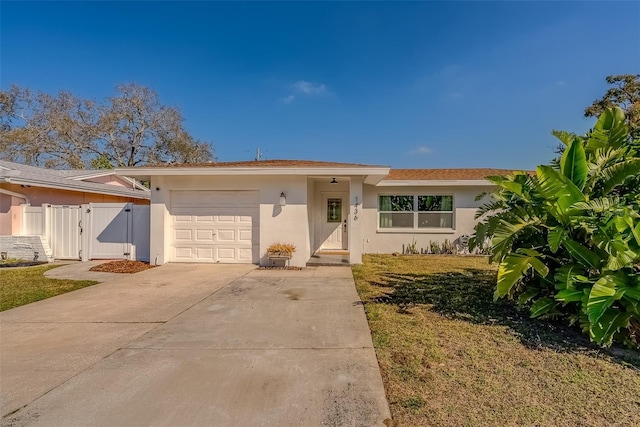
{"points": [[344, 225]]}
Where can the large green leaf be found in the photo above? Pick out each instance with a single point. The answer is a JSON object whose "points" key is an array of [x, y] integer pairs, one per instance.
{"points": [[565, 137], [527, 295], [609, 323], [582, 254], [543, 306], [506, 183], [573, 163], [559, 191], [602, 295], [513, 268], [570, 295], [555, 236], [601, 204], [506, 230], [609, 131], [618, 173], [566, 276]]}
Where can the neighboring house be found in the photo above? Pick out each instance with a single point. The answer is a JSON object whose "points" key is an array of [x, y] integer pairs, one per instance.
{"points": [[34, 186], [231, 212], [50, 214]]}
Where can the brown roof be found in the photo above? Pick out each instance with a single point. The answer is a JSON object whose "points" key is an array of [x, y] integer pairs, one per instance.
{"points": [[269, 163], [443, 174]]}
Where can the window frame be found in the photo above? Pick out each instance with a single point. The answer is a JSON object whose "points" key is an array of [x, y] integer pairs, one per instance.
{"points": [[416, 212]]}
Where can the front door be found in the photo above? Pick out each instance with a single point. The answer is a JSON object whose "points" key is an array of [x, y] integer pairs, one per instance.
{"points": [[334, 233]]}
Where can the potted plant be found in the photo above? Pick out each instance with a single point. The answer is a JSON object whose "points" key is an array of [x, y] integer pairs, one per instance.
{"points": [[280, 252]]}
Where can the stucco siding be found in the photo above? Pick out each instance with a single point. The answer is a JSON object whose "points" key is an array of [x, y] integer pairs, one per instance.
{"points": [[6, 214], [377, 240]]}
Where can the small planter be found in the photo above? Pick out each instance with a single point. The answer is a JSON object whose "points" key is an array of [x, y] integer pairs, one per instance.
{"points": [[279, 254], [279, 260]]}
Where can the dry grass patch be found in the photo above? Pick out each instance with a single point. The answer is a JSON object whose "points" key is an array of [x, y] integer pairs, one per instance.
{"points": [[20, 286], [450, 356]]}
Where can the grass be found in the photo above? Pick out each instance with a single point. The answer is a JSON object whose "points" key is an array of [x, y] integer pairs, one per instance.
{"points": [[450, 356], [20, 286]]}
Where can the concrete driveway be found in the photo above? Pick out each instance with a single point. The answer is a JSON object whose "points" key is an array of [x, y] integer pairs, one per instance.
{"points": [[180, 344]]}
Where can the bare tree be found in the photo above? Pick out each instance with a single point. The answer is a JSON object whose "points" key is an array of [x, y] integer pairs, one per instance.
{"points": [[130, 129]]}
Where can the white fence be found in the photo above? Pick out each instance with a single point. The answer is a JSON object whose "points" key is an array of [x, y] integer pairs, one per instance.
{"points": [[91, 231]]}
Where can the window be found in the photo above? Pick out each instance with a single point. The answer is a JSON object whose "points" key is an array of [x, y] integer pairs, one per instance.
{"points": [[416, 211], [334, 210], [396, 211]]}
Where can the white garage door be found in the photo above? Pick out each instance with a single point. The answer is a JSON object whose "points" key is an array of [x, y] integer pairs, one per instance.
{"points": [[215, 226]]}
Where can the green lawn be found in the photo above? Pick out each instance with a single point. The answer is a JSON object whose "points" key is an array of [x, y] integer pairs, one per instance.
{"points": [[450, 356], [20, 286]]}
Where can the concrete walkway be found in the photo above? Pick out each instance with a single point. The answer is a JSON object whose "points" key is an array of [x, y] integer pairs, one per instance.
{"points": [[194, 345]]}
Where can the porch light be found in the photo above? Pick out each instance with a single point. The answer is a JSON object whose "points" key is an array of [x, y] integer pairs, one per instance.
{"points": [[333, 181], [283, 199]]}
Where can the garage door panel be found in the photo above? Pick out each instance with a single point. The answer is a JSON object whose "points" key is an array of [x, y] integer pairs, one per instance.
{"points": [[181, 234], [244, 236], [245, 254], [226, 235], [204, 235], [184, 253], [215, 226], [203, 218], [204, 254], [226, 254]]}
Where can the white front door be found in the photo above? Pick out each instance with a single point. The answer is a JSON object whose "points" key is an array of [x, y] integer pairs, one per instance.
{"points": [[334, 224]]}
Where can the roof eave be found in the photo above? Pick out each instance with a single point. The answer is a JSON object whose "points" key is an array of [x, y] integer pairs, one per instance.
{"points": [[35, 183], [373, 174], [81, 177], [435, 183]]}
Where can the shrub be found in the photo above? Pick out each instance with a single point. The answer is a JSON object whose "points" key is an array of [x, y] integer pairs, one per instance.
{"points": [[568, 238]]}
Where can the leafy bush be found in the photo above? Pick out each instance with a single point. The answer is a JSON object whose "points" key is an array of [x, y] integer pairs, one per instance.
{"points": [[568, 238]]}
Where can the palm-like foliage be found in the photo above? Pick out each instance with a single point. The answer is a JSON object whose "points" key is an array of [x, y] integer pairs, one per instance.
{"points": [[568, 238]]}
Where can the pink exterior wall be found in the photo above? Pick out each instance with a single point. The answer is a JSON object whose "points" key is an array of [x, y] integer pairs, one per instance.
{"points": [[111, 180], [10, 211], [5, 215]]}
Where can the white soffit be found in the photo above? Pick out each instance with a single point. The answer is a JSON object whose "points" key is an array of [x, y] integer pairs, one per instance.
{"points": [[373, 174], [436, 183]]}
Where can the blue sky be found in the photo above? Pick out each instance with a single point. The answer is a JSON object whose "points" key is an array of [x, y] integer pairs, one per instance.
{"points": [[415, 84]]}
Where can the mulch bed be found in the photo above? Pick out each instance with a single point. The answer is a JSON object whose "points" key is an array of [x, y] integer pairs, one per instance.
{"points": [[122, 266]]}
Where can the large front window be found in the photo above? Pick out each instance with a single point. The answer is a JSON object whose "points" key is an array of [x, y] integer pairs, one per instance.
{"points": [[416, 211]]}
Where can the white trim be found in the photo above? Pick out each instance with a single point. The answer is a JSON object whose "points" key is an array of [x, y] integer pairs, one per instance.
{"points": [[14, 194], [127, 193], [416, 231], [135, 183], [372, 174], [435, 183], [99, 174]]}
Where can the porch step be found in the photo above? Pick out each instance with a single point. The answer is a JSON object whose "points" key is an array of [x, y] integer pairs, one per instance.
{"points": [[333, 259]]}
